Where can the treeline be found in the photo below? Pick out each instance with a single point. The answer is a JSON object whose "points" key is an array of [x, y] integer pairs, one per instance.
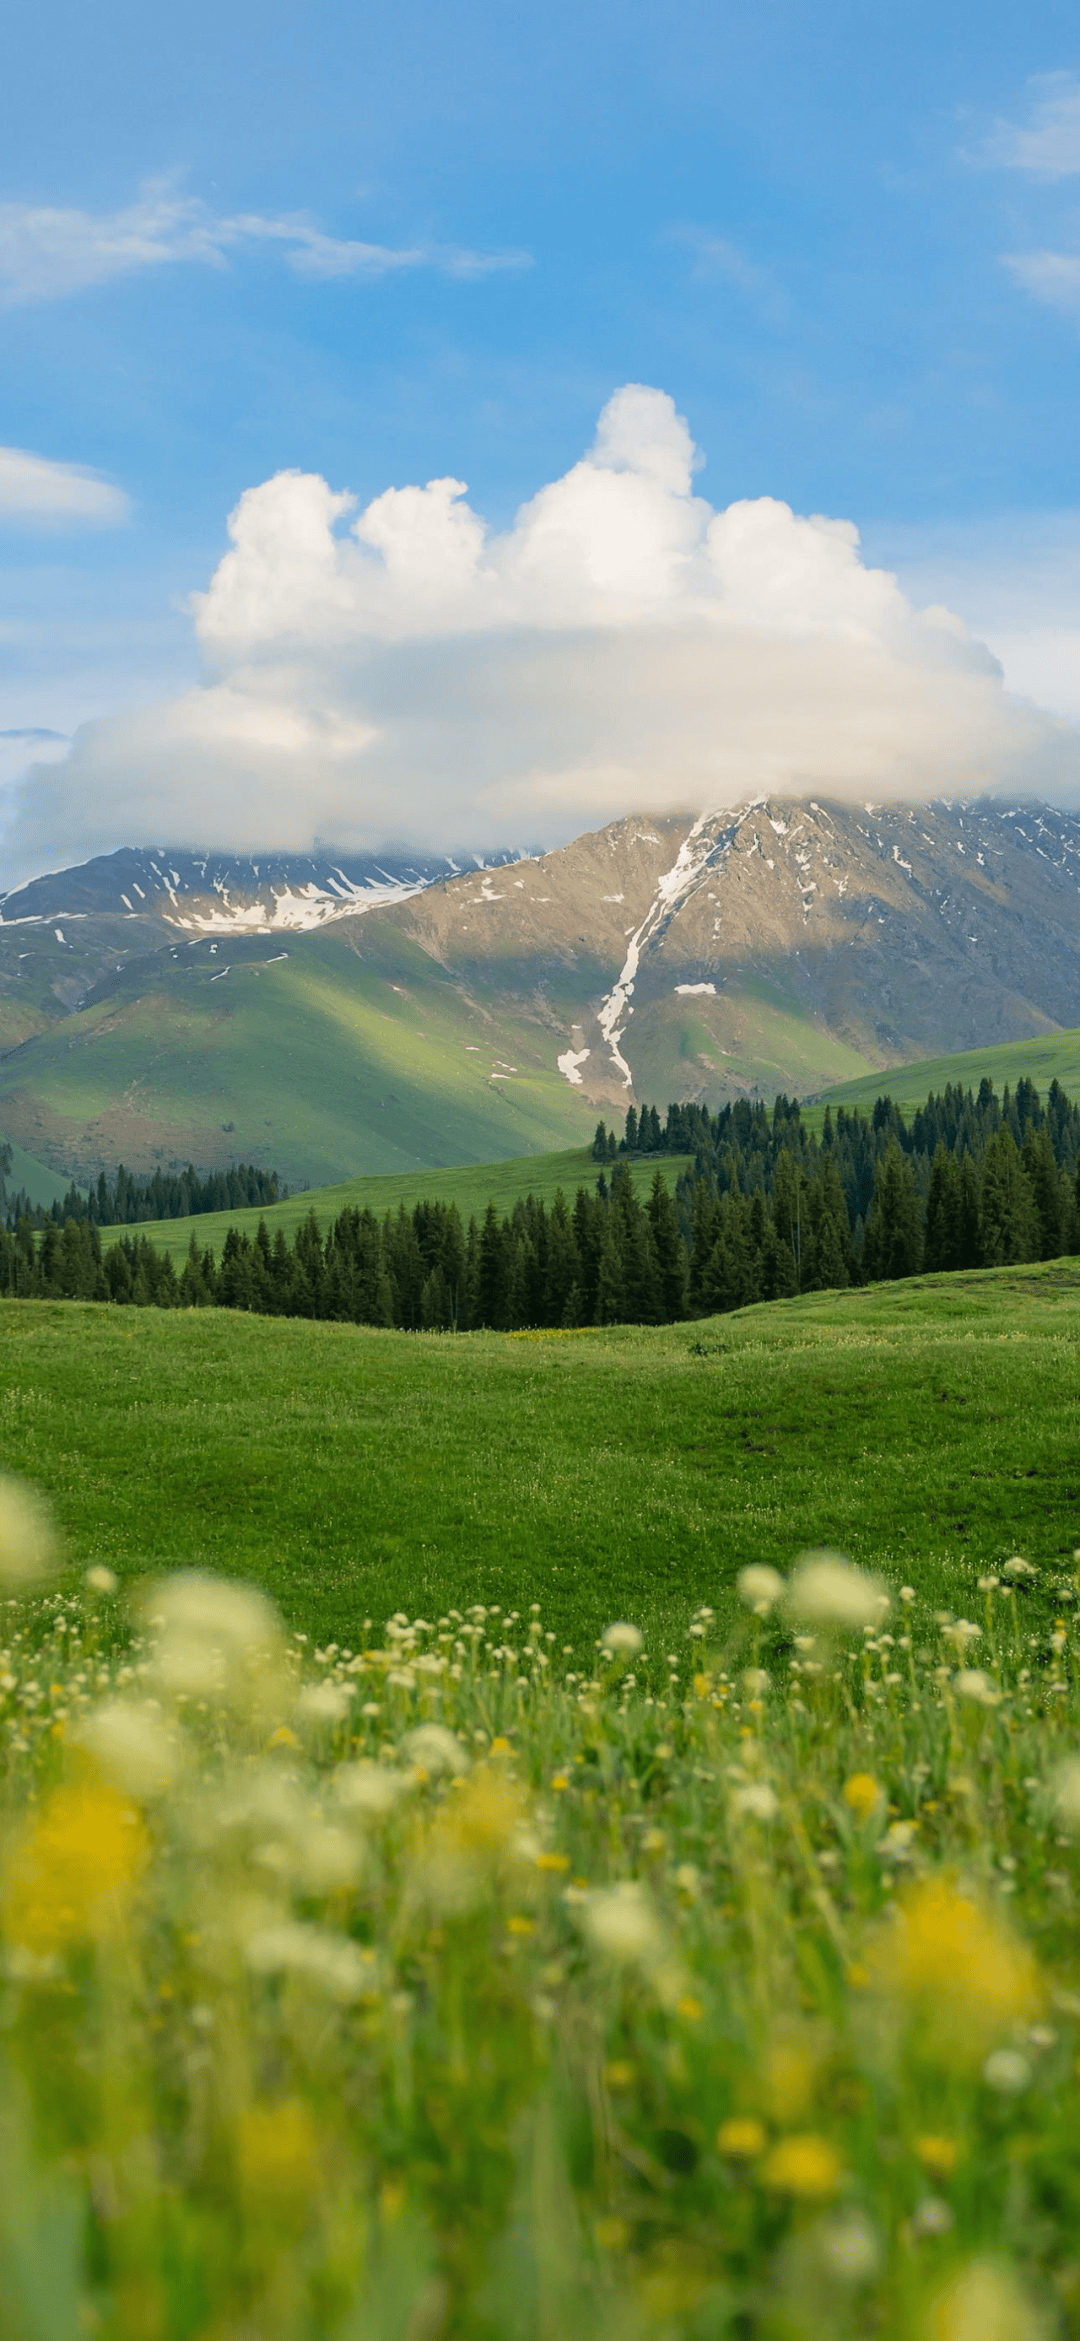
{"points": [[606, 1259], [130, 1197], [766, 1210]]}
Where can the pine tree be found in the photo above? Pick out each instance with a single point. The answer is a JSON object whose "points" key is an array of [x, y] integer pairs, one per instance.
{"points": [[1008, 1219], [669, 1251], [893, 1245]]}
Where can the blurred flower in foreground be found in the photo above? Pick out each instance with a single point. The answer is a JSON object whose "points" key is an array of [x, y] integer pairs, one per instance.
{"points": [[28, 1544], [827, 1590], [808, 2167], [277, 2155], [99, 1579], [131, 1745], [741, 2137], [621, 1641], [216, 1641], [862, 1793], [985, 2303], [623, 1923], [956, 1965], [72, 1876], [760, 1587]]}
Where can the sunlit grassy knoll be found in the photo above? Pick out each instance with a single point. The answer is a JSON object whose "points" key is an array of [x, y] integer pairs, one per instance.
{"points": [[472, 1186], [928, 1429], [1049, 1056]]}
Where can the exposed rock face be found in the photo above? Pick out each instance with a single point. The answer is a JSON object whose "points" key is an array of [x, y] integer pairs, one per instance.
{"points": [[776, 944]]}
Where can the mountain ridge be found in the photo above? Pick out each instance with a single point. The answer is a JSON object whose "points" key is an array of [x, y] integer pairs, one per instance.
{"points": [[777, 945]]}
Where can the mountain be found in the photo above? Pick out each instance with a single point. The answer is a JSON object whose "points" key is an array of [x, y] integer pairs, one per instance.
{"points": [[340, 1015]]}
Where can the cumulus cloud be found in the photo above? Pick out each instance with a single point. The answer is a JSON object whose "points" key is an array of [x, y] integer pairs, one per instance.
{"points": [[401, 673], [37, 493], [1047, 141], [47, 252]]}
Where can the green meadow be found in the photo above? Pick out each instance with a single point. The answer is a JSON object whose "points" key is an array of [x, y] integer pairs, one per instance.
{"points": [[561, 1913], [1049, 1056], [472, 1188], [927, 1429]]}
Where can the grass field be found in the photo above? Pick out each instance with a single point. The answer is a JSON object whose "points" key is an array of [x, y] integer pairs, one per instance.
{"points": [[928, 1429], [472, 1188], [1050, 1056], [489, 1974]]}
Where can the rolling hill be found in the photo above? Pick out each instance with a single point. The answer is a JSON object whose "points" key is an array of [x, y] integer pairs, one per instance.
{"points": [[263, 1012], [471, 1187]]}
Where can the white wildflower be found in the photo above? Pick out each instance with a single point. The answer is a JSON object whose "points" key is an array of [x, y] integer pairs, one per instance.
{"points": [[973, 1683], [755, 1682], [325, 1702], [827, 1590], [131, 1745], [760, 1587], [212, 1638], [1006, 2071], [434, 1749], [28, 1546], [622, 1923], [850, 2247], [1018, 1568], [372, 1790], [621, 1641], [757, 1800], [339, 1966], [100, 1579]]}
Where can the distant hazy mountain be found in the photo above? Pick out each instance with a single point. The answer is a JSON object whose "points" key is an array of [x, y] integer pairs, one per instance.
{"points": [[328, 1015], [219, 894]]}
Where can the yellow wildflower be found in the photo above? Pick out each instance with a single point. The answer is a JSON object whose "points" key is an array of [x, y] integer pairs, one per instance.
{"points": [[283, 1738], [276, 2152], [861, 1793], [937, 2155], [73, 1875], [805, 2166], [957, 1962], [741, 2137], [619, 2075], [559, 1782], [555, 1862], [689, 2009], [500, 1746], [612, 2235], [516, 1925]]}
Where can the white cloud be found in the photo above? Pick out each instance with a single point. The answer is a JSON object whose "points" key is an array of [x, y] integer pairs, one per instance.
{"points": [[37, 493], [1047, 142], [403, 673], [1051, 277], [46, 252]]}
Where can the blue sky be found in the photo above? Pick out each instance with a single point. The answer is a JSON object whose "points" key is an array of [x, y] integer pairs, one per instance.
{"points": [[387, 244]]}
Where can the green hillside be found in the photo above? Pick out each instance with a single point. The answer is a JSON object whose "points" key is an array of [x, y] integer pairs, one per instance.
{"points": [[472, 1188], [1048, 1057], [348, 1051], [33, 1178], [926, 1428]]}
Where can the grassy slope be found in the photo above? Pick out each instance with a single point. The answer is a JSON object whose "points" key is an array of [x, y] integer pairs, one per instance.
{"points": [[344, 1056], [753, 1035], [471, 1188], [1050, 1056], [40, 1183], [927, 1429]]}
